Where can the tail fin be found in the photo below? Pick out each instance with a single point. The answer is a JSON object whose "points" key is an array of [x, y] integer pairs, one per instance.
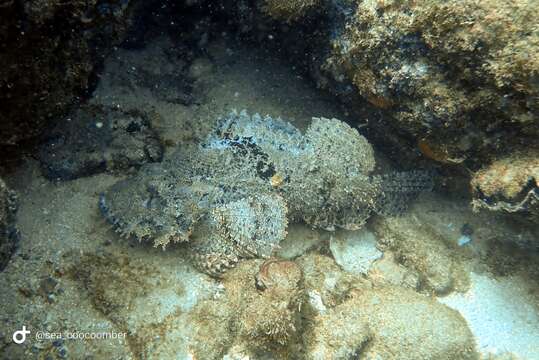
{"points": [[399, 188]]}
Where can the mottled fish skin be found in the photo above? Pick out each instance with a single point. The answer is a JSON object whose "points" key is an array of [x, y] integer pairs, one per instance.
{"points": [[232, 196]]}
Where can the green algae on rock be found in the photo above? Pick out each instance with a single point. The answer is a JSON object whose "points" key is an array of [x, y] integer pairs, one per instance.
{"points": [[232, 196]]}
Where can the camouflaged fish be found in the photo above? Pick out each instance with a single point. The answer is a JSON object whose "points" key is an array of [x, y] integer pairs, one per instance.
{"points": [[233, 195]]}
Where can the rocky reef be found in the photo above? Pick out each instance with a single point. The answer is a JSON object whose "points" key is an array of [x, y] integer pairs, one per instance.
{"points": [[9, 235], [267, 310], [454, 83], [252, 175], [93, 139], [451, 74], [354, 265]]}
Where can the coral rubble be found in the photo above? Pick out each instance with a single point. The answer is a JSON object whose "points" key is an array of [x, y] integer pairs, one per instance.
{"points": [[240, 187]]}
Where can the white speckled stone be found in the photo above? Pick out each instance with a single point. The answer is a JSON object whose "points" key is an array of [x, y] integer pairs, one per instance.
{"points": [[354, 251]]}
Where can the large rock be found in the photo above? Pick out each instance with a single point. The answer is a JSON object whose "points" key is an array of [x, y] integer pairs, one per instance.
{"points": [[257, 315], [354, 251], [456, 81], [423, 249]]}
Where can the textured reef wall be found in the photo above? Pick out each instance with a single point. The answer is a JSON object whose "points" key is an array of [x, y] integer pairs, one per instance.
{"points": [[459, 78]]}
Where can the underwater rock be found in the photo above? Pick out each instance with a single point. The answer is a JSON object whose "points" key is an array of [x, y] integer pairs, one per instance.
{"points": [[386, 271], [94, 139], [340, 334], [280, 283], [9, 236], [422, 249], [382, 323], [237, 191], [509, 185], [258, 313], [326, 284], [447, 72], [265, 312]]}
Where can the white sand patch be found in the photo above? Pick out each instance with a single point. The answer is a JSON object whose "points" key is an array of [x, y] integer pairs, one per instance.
{"points": [[501, 314]]}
